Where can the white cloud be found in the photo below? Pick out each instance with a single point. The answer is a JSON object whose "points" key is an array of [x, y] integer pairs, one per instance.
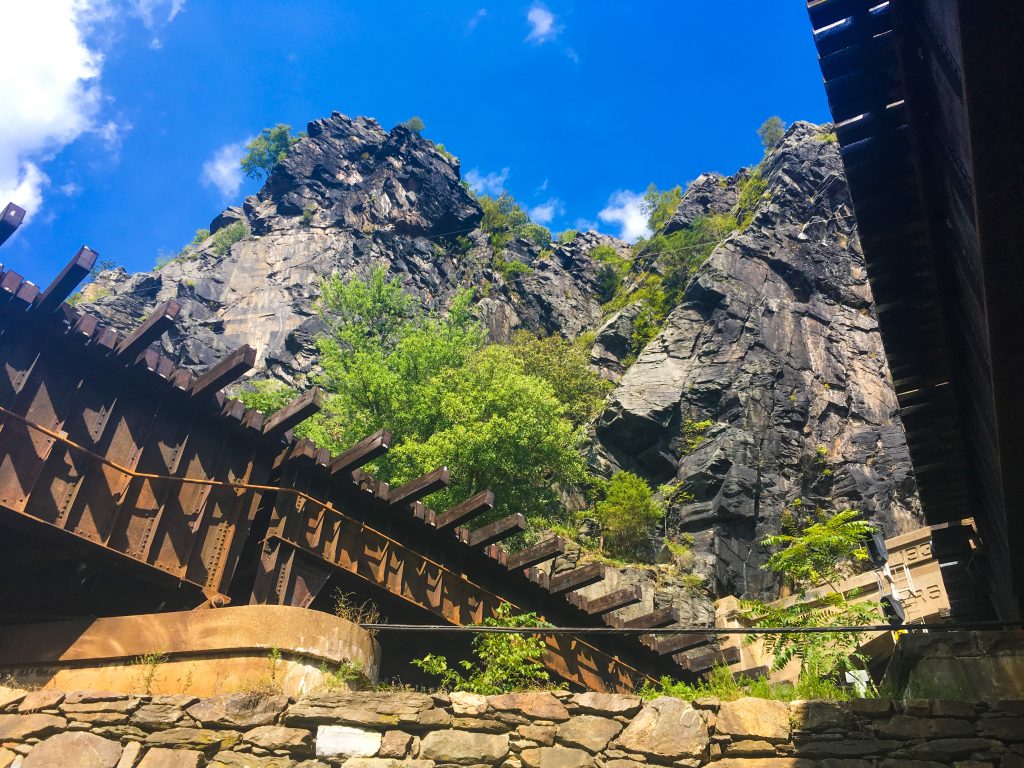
{"points": [[224, 170], [626, 208], [492, 183], [49, 94], [70, 189], [582, 225], [546, 212], [542, 24], [477, 18], [571, 54], [543, 186], [155, 15]]}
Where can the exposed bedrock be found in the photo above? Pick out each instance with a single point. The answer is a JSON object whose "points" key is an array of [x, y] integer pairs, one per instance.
{"points": [[776, 343]]}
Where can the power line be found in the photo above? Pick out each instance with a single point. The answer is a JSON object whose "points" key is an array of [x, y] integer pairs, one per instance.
{"points": [[632, 631]]}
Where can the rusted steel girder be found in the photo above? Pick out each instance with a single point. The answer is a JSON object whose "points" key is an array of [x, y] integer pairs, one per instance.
{"points": [[306, 542], [107, 445]]}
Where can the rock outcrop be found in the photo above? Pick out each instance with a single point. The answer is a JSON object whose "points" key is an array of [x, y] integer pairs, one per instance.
{"points": [[349, 197], [775, 343]]}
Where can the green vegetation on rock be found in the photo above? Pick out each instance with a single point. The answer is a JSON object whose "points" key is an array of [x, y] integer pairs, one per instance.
{"points": [[722, 685], [267, 395], [771, 132], [415, 124], [188, 252], [627, 515], [752, 191], [267, 150], [504, 221], [224, 238]]}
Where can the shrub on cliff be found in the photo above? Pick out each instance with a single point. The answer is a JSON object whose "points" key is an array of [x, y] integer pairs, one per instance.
{"points": [[415, 124], [504, 221], [267, 150], [224, 238], [627, 515], [771, 132]]}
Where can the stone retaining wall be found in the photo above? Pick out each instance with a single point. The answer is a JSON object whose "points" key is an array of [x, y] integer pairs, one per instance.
{"points": [[527, 730]]}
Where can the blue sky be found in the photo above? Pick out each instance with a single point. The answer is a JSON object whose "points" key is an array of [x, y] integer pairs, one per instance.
{"points": [[124, 126]]}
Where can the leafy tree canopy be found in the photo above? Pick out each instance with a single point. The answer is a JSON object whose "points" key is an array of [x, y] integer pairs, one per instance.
{"points": [[659, 205], [267, 150], [771, 132], [415, 124], [504, 220], [448, 397], [565, 365]]}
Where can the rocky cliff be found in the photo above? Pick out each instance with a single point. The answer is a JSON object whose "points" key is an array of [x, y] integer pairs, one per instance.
{"points": [[350, 197], [774, 342]]}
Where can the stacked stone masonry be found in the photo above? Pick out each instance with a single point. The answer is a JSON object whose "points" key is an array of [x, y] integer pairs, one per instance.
{"points": [[526, 730]]}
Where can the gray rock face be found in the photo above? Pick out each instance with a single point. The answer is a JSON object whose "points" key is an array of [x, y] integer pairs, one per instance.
{"points": [[348, 198], [708, 194], [776, 343]]}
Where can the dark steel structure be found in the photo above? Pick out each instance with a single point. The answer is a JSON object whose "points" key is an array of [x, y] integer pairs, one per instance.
{"points": [[111, 452], [928, 100]]}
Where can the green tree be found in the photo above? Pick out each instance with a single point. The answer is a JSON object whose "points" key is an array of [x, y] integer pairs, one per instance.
{"points": [[821, 551], [504, 220], [565, 365], [448, 398], [659, 205], [415, 124], [267, 150], [627, 515], [505, 662], [771, 132], [365, 314]]}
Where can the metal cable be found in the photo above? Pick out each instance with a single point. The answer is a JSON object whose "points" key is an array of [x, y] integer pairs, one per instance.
{"points": [[488, 630]]}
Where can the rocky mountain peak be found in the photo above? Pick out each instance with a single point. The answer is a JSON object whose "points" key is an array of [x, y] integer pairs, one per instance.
{"points": [[352, 174], [767, 392], [760, 392], [346, 198]]}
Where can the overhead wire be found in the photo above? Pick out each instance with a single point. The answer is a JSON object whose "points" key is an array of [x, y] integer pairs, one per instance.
{"points": [[699, 630]]}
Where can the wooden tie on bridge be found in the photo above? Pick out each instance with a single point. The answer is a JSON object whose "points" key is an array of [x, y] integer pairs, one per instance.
{"points": [[110, 448]]}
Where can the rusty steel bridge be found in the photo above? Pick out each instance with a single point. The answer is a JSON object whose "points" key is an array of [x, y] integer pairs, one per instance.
{"points": [[113, 456]]}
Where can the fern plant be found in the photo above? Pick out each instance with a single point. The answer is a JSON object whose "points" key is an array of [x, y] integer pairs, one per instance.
{"points": [[818, 552]]}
